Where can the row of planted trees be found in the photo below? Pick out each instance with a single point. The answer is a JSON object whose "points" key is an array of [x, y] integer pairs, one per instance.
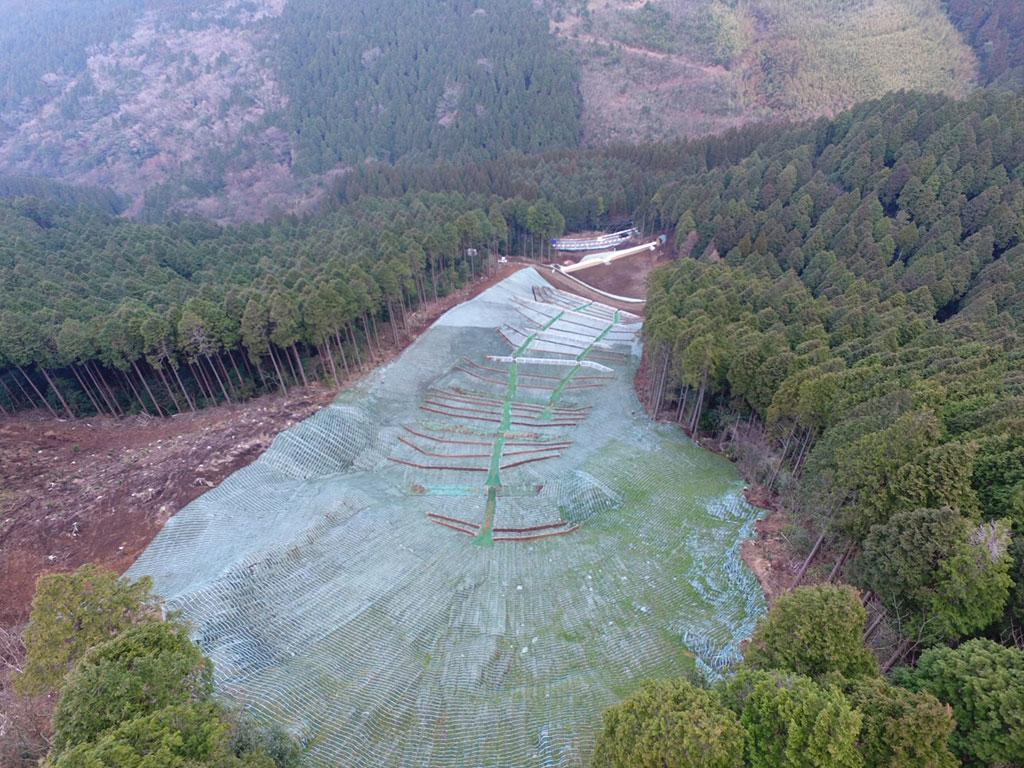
{"points": [[205, 341], [205, 352]]}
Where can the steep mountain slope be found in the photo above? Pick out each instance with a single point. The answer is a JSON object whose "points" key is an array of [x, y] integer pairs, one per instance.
{"points": [[176, 97], [238, 109], [666, 68], [995, 30], [226, 108]]}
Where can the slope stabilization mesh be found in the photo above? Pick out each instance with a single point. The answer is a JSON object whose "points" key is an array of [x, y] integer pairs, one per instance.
{"points": [[470, 553]]}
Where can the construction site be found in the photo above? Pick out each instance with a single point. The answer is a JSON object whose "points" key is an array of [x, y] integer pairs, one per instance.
{"points": [[472, 552]]}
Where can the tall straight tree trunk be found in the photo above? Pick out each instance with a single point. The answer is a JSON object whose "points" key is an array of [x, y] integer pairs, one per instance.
{"points": [[277, 369], [84, 388], [167, 387], [782, 459], [53, 386], [131, 385], [807, 563], [21, 388], [321, 363], [421, 289], [217, 377], [81, 383], [14, 401], [199, 384], [394, 325], [798, 466], [652, 374], [341, 349], [263, 378], [98, 370], [234, 367], [376, 333], [698, 408], [199, 374], [224, 370], [355, 345], [330, 359], [149, 391], [405, 315], [661, 386], [298, 363], [36, 390], [245, 363], [369, 341], [291, 367], [683, 394], [104, 391], [188, 398]]}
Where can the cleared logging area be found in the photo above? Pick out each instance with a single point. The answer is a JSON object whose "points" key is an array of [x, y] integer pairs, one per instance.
{"points": [[468, 555]]}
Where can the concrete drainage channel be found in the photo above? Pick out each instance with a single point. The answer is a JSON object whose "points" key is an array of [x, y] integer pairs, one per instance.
{"points": [[471, 553]]}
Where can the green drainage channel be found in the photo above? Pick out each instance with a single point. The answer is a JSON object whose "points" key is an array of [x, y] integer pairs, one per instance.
{"points": [[485, 537]]}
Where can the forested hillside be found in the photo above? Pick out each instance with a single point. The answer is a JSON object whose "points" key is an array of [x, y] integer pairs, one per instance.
{"points": [[238, 111], [41, 40], [101, 198], [851, 298], [847, 290], [401, 80], [225, 109], [667, 68], [859, 290], [154, 318], [995, 29]]}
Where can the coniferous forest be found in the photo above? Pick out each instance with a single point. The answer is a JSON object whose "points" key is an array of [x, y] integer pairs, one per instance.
{"points": [[843, 317], [850, 287]]}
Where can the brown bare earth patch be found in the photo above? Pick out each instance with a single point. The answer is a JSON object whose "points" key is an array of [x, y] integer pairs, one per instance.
{"points": [[563, 283], [768, 555], [627, 276], [98, 490]]}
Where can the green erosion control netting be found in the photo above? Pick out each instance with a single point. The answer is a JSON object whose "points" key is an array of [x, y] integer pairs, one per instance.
{"points": [[471, 553]]}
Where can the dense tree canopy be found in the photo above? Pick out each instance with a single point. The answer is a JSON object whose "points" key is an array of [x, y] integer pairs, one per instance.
{"points": [[856, 287], [814, 631], [134, 690], [983, 682], [142, 670], [901, 728], [995, 29], [670, 723], [768, 716], [72, 612], [853, 286], [411, 80], [942, 576], [793, 722]]}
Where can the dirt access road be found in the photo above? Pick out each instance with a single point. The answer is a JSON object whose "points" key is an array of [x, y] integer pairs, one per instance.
{"points": [[98, 490]]}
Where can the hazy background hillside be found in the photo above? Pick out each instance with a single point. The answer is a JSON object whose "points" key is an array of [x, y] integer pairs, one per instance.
{"points": [[238, 109]]}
